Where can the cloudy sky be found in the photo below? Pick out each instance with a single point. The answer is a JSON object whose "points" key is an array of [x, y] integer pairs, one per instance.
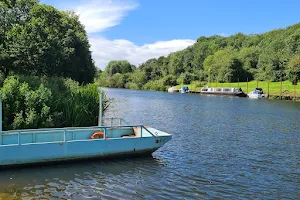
{"points": [[136, 30]]}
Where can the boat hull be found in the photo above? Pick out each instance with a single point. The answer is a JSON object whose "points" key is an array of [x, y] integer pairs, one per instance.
{"points": [[257, 96], [224, 94], [43, 152]]}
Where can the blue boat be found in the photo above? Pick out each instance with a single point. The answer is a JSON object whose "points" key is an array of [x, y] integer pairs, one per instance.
{"points": [[19, 147], [184, 89]]}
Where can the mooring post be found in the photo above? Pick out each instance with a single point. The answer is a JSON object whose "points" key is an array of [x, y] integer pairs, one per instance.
{"points": [[247, 85], [295, 83], [100, 107], [269, 88], [0, 115], [281, 88]]}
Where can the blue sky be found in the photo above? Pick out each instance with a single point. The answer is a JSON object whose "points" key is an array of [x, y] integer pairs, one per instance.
{"points": [[137, 30]]}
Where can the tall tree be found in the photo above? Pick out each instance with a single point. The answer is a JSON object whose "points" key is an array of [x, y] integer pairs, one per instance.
{"points": [[45, 41]]}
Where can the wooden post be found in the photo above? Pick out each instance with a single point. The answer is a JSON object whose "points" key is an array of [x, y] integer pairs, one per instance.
{"points": [[295, 82], [256, 83], [238, 82], [247, 85], [269, 88], [281, 88], [100, 107]]}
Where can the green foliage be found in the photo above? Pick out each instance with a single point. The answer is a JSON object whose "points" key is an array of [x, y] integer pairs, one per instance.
{"points": [[118, 80], [118, 66], [228, 70], [157, 85], [294, 69], [131, 85], [34, 102], [185, 78], [41, 40], [219, 59], [169, 80]]}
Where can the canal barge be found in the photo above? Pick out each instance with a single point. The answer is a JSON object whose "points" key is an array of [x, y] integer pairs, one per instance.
{"points": [[223, 91], [19, 147]]}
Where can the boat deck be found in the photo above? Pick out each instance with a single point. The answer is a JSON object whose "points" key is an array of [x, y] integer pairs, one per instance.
{"points": [[38, 136]]}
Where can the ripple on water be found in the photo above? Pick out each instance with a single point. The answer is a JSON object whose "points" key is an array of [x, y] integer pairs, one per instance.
{"points": [[222, 147]]}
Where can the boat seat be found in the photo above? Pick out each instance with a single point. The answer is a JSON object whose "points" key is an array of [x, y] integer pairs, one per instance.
{"points": [[136, 133]]}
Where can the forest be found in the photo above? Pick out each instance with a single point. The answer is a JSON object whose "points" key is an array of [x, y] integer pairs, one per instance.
{"points": [[46, 68], [272, 56]]}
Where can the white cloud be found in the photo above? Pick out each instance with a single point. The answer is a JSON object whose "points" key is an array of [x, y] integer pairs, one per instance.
{"points": [[98, 15], [106, 50]]}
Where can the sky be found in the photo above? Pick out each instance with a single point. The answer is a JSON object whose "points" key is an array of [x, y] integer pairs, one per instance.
{"points": [[137, 30]]}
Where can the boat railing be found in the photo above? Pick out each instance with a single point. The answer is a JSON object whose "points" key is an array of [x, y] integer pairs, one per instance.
{"points": [[114, 121], [65, 131]]}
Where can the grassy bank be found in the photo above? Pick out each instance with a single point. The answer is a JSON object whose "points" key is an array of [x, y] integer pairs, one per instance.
{"points": [[274, 87]]}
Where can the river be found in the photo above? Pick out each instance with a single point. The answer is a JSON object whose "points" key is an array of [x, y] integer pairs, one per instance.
{"points": [[222, 148]]}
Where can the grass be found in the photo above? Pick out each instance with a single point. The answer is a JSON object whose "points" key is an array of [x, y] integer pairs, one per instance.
{"points": [[274, 87]]}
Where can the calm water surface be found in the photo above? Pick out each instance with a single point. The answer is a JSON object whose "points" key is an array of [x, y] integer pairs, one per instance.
{"points": [[222, 148]]}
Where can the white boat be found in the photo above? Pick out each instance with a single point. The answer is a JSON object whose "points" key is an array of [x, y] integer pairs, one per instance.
{"points": [[223, 91], [257, 93], [173, 89]]}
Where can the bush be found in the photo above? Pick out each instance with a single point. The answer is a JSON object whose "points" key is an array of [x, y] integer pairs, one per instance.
{"points": [[131, 85], [169, 80], [157, 85], [40, 102]]}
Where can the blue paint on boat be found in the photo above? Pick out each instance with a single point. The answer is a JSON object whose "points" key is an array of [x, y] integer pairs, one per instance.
{"points": [[19, 147], [184, 89], [45, 145]]}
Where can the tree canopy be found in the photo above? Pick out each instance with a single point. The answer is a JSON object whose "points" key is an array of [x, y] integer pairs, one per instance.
{"points": [[38, 39], [271, 56]]}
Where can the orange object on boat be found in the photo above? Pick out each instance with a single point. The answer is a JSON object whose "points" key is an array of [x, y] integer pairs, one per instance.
{"points": [[98, 134]]}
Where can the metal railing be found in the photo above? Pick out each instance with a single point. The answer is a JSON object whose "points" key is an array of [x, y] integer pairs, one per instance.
{"points": [[114, 121], [64, 131]]}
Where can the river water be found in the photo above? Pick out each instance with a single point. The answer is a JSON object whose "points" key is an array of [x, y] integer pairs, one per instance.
{"points": [[222, 148]]}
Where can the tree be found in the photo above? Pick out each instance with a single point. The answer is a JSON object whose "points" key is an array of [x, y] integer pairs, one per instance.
{"points": [[46, 41], [12, 13], [119, 66], [224, 66], [294, 69]]}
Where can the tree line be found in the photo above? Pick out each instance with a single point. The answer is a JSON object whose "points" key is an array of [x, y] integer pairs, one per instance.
{"points": [[46, 68], [38, 39], [272, 56]]}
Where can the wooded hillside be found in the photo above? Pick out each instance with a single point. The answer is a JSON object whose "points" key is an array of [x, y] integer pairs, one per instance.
{"points": [[271, 56]]}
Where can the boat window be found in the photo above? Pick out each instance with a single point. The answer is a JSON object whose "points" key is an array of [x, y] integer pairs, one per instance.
{"points": [[204, 90], [218, 89], [227, 90]]}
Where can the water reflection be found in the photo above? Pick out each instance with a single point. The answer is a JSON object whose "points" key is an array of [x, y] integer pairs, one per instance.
{"points": [[230, 148], [74, 179]]}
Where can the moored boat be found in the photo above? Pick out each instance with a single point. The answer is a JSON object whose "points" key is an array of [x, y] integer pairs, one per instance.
{"points": [[173, 89], [257, 93], [185, 89], [223, 91], [18, 147]]}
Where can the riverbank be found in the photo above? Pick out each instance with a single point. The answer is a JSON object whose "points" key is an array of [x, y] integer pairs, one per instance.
{"points": [[285, 90]]}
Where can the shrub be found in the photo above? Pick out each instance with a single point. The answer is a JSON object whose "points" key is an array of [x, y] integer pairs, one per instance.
{"points": [[157, 85], [39, 102], [131, 85]]}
